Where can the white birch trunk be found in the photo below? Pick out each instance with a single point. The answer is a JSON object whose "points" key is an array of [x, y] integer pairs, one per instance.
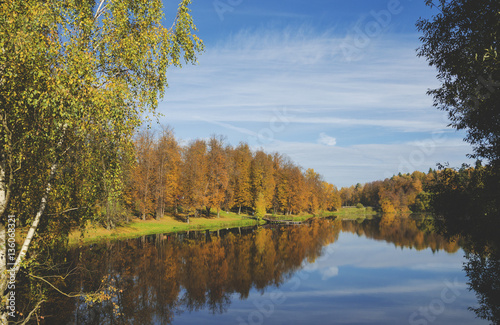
{"points": [[34, 225]]}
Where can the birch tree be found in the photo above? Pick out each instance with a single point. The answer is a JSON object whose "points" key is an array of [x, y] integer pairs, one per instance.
{"points": [[71, 70]]}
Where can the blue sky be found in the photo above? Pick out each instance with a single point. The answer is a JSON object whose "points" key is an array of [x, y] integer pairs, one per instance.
{"points": [[335, 85]]}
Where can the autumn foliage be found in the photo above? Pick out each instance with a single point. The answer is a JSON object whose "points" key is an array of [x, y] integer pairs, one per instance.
{"points": [[466, 190], [179, 273], [207, 176], [402, 193]]}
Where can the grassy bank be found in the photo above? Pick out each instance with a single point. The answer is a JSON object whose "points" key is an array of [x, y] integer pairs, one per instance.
{"points": [[302, 217], [167, 224], [355, 213]]}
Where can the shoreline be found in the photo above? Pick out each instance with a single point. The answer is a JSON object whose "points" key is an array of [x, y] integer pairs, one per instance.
{"points": [[168, 224]]}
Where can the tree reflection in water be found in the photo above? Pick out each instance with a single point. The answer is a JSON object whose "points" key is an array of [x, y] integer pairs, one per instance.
{"points": [[157, 277], [161, 276], [481, 243], [484, 278]]}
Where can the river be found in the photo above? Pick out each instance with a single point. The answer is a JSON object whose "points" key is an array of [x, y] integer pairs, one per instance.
{"points": [[385, 270]]}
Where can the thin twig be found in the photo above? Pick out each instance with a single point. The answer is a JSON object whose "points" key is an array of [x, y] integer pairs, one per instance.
{"points": [[55, 288], [97, 14], [26, 320], [68, 210]]}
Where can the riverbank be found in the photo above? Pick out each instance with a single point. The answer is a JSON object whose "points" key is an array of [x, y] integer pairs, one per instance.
{"points": [[169, 224], [356, 213]]}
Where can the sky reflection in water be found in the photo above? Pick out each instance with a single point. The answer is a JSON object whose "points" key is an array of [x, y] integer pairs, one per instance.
{"points": [[380, 271], [359, 280]]}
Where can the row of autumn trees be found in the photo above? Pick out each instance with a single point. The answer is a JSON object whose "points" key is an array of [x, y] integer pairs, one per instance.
{"points": [[400, 193], [210, 175], [470, 190]]}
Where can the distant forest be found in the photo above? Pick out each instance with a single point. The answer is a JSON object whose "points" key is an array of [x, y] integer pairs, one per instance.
{"points": [[442, 191], [210, 175]]}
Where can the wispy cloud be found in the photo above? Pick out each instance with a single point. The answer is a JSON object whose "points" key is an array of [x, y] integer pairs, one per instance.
{"points": [[265, 69], [345, 166], [375, 105]]}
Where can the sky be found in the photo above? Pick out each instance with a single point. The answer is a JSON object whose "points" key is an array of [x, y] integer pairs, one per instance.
{"points": [[335, 85]]}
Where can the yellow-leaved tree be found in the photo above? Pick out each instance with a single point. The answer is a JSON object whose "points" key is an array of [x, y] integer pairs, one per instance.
{"points": [[75, 79]]}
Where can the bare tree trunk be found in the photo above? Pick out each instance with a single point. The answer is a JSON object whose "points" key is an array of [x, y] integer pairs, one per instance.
{"points": [[144, 208]]}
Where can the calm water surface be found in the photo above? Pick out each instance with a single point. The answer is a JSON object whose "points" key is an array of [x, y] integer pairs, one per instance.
{"points": [[380, 271]]}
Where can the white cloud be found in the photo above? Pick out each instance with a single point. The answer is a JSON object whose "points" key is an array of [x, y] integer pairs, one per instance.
{"points": [[394, 289], [253, 73], [351, 250], [330, 272], [242, 82], [326, 139]]}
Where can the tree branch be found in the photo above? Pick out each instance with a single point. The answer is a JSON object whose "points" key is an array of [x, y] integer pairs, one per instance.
{"points": [[69, 295], [26, 320], [68, 210], [99, 11], [34, 225]]}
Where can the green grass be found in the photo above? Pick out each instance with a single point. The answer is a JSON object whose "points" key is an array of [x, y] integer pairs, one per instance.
{"points": [[167, 224], [355, 213], [302, 217]]}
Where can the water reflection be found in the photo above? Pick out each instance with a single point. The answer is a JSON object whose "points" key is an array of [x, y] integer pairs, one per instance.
{"points": [[481, 243], [403, 232], [484, 278], [160, 279]]}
